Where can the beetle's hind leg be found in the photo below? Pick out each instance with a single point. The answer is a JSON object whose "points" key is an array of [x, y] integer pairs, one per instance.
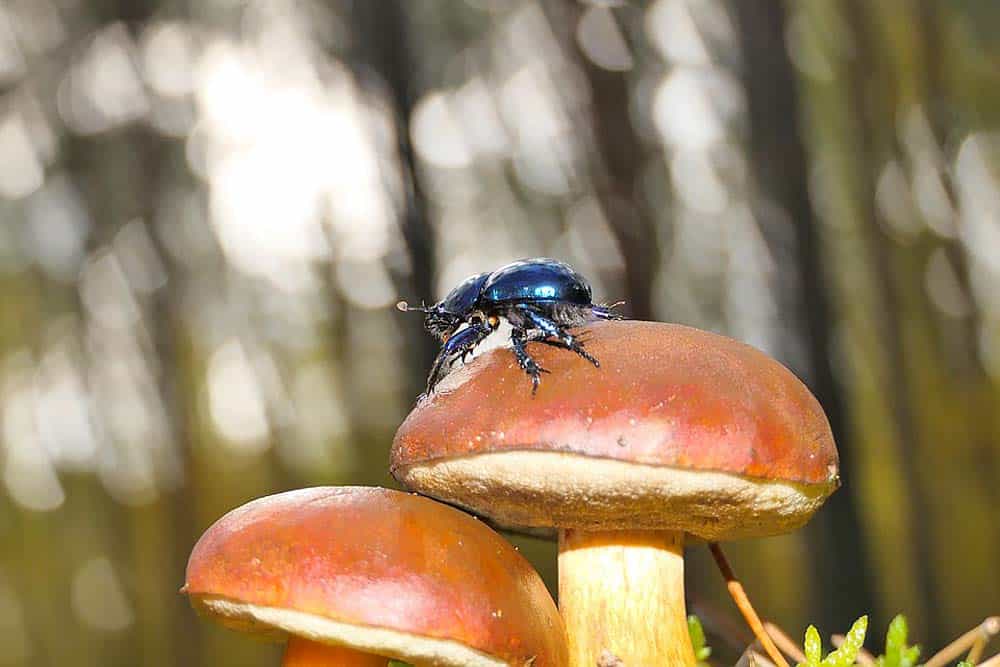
{"points": [[555, 342], [556, 335]]}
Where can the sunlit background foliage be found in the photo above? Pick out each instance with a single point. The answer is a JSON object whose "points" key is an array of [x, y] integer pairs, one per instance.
{"points": [[208, 208]]}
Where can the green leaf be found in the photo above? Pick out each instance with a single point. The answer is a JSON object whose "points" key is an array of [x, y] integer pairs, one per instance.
{"points": [[701, 650], [897, 652], [398, 663], [814, 647], [848, 651], [842, 657]]}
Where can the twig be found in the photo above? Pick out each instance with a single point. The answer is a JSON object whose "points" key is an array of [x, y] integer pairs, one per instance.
{"points": [[992, 662], [989, 627], [784, 642], [720, 622], [976, 652], [743, 604], [864, 657], [752, 658]]}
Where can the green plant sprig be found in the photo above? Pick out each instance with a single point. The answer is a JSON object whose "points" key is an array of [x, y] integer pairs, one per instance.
{"points": [[702, 650], [897, 652], [845, 656]]}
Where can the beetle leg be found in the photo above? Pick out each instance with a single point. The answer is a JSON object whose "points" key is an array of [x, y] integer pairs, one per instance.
{"points": [[486, 324], [565, 339], [556, 342], [518, 339], [575, 346], [458, 345]]}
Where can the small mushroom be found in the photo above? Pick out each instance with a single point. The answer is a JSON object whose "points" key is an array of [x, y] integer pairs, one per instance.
{"points": [[678, 433], [357, 575]]}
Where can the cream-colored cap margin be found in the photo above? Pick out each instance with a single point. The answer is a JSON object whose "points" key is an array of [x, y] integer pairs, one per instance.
{"points": [[378, 641], [536, 489]]}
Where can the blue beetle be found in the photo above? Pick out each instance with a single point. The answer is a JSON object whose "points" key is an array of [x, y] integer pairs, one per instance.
{"points": [[541, 298]]}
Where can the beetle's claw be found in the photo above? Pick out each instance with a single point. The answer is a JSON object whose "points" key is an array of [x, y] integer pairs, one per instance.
{"points": [[586, 355]]}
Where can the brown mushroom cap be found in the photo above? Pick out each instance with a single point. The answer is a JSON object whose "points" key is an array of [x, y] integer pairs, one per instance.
{"points": [[381, 571], [678, 429]]}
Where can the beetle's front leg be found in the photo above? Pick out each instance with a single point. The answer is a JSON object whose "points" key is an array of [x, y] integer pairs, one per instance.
{"points": [[519, 339], [456, 346]]}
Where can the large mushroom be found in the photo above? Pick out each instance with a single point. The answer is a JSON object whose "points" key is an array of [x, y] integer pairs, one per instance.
{"points": [[357, 575], [679, 433]]}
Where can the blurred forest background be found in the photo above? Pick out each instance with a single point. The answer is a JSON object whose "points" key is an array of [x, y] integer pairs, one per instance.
{"points": [[208, 209]]}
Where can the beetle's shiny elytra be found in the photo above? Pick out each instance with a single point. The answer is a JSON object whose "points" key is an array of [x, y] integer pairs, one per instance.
{"points": [[541, 298]]}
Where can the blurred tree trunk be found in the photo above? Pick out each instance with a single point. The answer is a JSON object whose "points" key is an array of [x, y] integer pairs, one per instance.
{"points": [[784, 212], [949, 388], [160, 532], [122, 176], [919, 397], [45, 558], [619, 155], [385, 58], [882, 419]]}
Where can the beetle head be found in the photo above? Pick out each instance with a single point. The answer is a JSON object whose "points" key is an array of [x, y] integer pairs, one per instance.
{"points": [[447, 315], [437, 319]]}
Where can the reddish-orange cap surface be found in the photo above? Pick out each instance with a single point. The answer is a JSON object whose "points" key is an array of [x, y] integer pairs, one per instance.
{"points": [[665, 395], [383, 559]]}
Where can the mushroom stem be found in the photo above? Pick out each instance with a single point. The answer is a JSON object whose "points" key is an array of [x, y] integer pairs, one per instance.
{"points": [[621, 594], [304, 653]]}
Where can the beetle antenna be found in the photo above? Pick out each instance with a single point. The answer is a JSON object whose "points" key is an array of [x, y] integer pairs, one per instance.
{"points": [[405, 307]]}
